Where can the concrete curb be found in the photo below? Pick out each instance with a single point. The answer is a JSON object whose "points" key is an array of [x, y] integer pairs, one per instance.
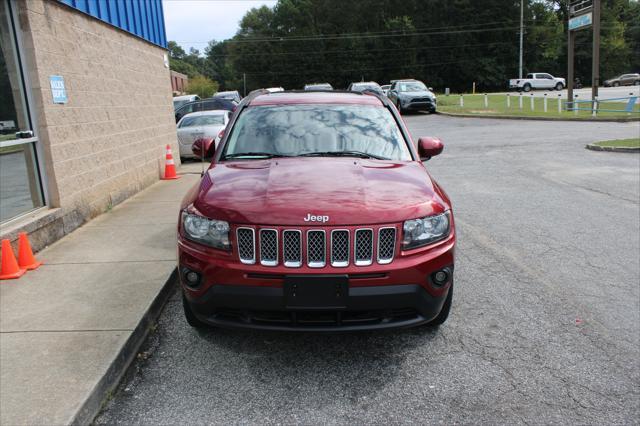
{"points": [[593, 147], [109, 382], [513, 117]]}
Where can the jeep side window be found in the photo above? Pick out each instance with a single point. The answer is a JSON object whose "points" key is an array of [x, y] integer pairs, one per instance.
{"points": [[529, 75]]}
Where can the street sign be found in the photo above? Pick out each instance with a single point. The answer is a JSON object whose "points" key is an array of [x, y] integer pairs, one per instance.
{"points": [[58, 92], [580, 21]]}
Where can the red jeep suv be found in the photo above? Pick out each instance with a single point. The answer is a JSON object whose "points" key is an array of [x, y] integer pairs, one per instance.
{"points": [[317, 213]]}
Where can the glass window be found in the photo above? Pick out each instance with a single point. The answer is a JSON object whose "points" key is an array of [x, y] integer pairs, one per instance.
{"points": [[203, 120], [412, 86], [20, 188], [292, 130]]}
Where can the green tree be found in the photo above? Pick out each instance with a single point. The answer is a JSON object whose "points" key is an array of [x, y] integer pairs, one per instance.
{"points": [[202, 86]]}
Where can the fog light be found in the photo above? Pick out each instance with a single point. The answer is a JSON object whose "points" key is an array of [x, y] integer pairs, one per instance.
{"points": [[441, 277], [192, 278]]}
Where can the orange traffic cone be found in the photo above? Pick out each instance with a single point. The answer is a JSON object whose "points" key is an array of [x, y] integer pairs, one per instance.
{"points": [[25, 255], [9, 268], [169, 166]]}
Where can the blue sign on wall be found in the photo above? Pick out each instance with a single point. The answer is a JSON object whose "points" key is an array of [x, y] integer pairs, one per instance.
{"points": [[58, 91]]}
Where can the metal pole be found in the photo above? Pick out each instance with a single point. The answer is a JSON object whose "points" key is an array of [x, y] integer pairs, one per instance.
{"points": [[570, 48], [595, 66], [244, 79], [521, 37]]}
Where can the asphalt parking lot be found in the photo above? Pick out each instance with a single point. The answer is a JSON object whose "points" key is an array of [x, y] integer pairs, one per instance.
{"points": [[545, 319]]}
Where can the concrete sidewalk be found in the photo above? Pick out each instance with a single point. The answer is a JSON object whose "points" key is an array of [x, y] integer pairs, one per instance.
{"points": [[69, 329]]}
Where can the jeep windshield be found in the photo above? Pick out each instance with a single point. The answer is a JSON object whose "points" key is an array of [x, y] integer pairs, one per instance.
{"points": [[360, 131]]}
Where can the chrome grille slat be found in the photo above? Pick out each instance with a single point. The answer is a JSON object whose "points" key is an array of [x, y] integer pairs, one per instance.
{"points": [[316, 249], [340, 248], [268, 247], [363, 248], [386, 245], [292, 248], [246, 239]]}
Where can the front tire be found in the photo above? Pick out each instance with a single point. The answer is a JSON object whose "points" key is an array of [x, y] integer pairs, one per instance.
{"points": [[191, 318], [444, 313], [637, 83], [616, 84], [526, 87], [559, 86]]}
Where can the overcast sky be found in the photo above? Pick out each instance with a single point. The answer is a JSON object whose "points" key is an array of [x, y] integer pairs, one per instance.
{"points": [[192, 23]]}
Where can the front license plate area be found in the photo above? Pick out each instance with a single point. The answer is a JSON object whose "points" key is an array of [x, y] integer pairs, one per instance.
{"points": [[316, 291]]}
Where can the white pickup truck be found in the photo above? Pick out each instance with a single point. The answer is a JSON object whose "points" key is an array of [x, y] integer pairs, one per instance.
{"points": [[537, 80]]}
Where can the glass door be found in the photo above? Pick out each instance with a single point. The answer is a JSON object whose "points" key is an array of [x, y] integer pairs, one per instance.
{"points": [[20, 182]]}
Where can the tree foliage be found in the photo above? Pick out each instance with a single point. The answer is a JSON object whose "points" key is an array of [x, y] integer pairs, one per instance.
{"points": [[446, 43], [202, 86]]}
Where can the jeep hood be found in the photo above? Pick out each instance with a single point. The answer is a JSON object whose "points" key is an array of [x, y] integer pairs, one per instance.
{"points": [[350, 191]]}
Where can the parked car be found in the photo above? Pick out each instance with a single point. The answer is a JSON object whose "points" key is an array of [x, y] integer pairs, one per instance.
{"points": [[317, 213], [623, 80], [202, 124], [385, 88], [366, 85], [318, 86], [232, 95], [538, 80], [178, 101], [412, 95], [205, 105]]}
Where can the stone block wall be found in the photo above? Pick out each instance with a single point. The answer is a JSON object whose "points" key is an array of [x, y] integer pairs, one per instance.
{"points": [[108, 142]]}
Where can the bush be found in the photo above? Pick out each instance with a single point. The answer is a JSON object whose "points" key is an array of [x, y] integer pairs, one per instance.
{"points": [[202, 86]]}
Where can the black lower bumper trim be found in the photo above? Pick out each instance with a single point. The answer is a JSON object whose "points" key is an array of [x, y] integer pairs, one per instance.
{"points": [[366, 308]]}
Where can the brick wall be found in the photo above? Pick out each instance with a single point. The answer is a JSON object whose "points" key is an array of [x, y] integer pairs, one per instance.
{"points": [[108, 141]]}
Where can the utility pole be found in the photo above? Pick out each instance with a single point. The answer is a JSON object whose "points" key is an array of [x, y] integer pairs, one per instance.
{"points": [[244, 79], [595, 65], [570, 55], [521, 36]]}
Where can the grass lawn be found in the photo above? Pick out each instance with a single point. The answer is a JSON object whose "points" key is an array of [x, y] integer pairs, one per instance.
{"points": [[9, 149], [497, 105], [627, 143]]}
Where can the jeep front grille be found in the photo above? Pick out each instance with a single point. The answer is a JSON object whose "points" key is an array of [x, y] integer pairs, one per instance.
{"points": [[246, 245], [292, 248], [386, 244], [364, 247], [339, 248], [295, 247], [316, 249], [268, 247]]}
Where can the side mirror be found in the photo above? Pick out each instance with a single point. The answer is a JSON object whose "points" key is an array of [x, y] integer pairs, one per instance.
{"points": [[203, 148], [430, 89], [429, 147]]}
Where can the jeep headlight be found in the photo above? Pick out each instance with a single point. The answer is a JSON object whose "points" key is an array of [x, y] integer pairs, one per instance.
{"points": [[214, 233], [427, 230]]}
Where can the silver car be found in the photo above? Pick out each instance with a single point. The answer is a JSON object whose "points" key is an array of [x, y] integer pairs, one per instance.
{"points": [[201, 124]]}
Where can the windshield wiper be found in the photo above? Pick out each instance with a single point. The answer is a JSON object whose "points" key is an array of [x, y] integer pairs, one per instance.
{"points": [[254, 154], [358, 154]]}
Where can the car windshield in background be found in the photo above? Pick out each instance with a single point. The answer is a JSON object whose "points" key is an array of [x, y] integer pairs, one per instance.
{"points": [[322, 130], [319, 87], [203, 120], [178, 104], [363, 87], [413, 86]]}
